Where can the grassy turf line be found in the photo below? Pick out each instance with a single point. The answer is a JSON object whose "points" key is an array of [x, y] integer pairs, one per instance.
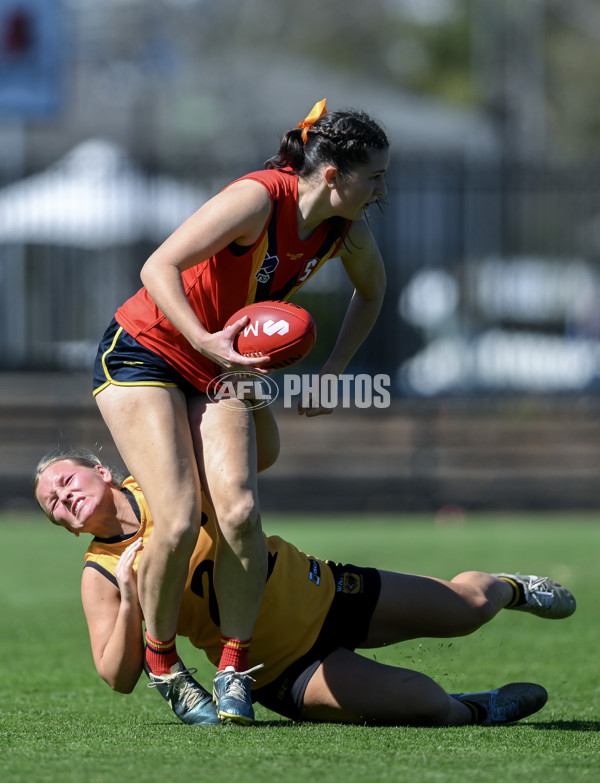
{"points": [[60, 722]]}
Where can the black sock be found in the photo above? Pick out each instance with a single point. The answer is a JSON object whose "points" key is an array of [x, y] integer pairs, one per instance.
{"points": [[518, 594], [478, 711]]}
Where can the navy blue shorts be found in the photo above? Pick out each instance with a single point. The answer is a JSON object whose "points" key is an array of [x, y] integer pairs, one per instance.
{"points": [[122, 361], [346, 625]]}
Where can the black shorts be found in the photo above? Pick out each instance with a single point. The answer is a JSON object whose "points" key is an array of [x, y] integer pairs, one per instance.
{"points": [[346, 625], [122, 361]]}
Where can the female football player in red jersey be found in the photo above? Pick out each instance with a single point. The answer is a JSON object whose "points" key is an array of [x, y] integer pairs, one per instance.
{"points": [[314, 614], [261, 238]]}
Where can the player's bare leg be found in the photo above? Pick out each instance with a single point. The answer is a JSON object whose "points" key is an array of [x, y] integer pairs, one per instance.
{"points": [[228, 465], [151, 431], [410, 607], [349, 688], [267, 438], [226, 453]]}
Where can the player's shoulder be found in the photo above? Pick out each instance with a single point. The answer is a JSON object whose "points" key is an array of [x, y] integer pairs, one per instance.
{"points": [[276, 182], [246, 196], [99, 575]]}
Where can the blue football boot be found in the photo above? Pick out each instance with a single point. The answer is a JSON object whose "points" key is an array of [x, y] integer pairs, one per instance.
{"points": [[506, 704], [187, 698], [231, 693]]}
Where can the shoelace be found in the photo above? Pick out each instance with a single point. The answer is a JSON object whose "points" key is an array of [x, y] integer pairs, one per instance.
{"points": [[541, 597], [237, 682], [170, 677], [188, 691]]}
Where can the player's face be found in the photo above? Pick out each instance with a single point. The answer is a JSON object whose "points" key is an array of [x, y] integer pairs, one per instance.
{"points": [[74, 496], [363, 187]]}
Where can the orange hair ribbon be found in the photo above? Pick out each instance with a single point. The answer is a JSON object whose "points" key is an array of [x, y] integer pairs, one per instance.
{"points": [[317, 111]]}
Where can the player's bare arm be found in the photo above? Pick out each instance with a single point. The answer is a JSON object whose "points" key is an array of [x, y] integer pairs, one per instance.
{"points": [[115, 628], [364, 266], [237, 214]]}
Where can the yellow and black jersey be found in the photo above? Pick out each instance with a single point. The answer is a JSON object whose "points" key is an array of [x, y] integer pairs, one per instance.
{"points": [[298, 593]]}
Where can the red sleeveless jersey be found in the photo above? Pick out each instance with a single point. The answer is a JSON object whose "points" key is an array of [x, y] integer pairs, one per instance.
{"points": [[274, 267]]}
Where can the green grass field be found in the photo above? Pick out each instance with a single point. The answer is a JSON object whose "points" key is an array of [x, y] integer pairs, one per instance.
{"points": [[60, 722]]}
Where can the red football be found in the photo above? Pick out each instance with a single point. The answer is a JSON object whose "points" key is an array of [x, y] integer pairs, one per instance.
{"points": [[283, 331]]}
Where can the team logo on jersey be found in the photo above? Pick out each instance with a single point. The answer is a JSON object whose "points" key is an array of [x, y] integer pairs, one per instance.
{"points": [[309, 268], [348, 583], [269, 265]]}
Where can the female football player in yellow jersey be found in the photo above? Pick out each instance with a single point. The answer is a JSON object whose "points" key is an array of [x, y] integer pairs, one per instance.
{"points": [[314, 614], [260, 238]]}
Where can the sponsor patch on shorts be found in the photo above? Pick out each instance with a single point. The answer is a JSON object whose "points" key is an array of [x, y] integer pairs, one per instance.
{"points": [[349, 583]]}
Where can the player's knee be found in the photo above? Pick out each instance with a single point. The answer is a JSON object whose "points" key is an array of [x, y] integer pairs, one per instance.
{"points": [[479, 608], [181, 534], [241, 517]]}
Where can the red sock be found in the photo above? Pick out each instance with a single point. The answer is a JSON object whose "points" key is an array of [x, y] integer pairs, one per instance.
{"points": [[235, 653], [160, 656]]}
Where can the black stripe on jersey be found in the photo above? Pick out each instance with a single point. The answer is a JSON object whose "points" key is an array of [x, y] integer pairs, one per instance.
{"points": [[271, 560], [124, 536], [263, 290], [132, 502], [116, 539], [111, 577]]}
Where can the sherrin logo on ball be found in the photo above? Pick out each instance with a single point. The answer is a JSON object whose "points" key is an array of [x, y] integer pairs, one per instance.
{"points": [[281, 330]]}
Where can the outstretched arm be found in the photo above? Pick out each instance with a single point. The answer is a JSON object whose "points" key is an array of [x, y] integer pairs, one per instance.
{"points": [[114, 619]]}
